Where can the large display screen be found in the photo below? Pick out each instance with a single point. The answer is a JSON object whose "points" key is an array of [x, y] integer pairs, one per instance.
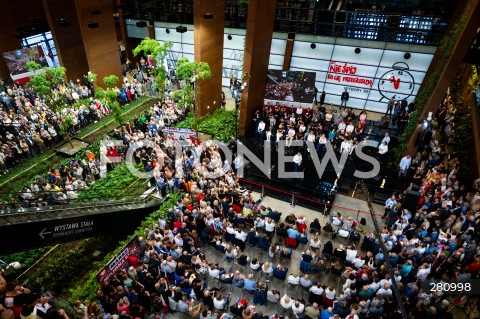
{"points": [[371, 76], [291, 86], [16, 60]]}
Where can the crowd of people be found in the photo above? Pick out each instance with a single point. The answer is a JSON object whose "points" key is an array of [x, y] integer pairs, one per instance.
{"points": [[30, 124], [220, 254], [64, 183], [200, 260], [343, 129]]}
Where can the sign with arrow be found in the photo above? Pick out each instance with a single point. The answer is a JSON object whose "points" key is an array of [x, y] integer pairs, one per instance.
{"points": [[44, 232], [61, 230]]}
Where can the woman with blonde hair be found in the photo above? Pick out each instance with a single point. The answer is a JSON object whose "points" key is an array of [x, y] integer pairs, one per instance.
{"points": [[267, 268]]}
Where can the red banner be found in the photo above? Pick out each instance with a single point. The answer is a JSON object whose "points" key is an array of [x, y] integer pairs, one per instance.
{"points": [[119, 261]]}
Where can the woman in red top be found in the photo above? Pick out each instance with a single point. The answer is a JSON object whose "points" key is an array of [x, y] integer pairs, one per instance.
{"points": [[123, 306]]}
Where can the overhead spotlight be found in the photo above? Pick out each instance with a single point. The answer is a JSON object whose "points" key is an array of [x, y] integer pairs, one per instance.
{"points": [[141, 24], [208, 16], [181, 29], [358, 50], [93, 25], [167, 30], [63, 22], [313, 45], [96, 12], [229, 37], [407, 56]]}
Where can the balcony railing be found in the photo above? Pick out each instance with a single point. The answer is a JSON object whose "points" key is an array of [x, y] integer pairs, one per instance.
{"points": [[359, 24]]}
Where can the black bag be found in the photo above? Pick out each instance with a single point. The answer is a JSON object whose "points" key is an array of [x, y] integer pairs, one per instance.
{"points": [[243, 260]]}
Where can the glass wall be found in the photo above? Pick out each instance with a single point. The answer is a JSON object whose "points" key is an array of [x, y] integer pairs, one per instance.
{"points": [[45, 40]]}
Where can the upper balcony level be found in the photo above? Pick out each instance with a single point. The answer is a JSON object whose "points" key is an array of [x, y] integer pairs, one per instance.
{"points": [[386, 23]]}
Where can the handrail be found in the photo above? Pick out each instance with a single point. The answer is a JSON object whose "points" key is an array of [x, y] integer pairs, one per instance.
{"points": [[303, 197]]}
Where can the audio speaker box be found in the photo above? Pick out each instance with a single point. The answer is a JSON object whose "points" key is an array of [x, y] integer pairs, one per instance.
{"points": [[411, 200]]}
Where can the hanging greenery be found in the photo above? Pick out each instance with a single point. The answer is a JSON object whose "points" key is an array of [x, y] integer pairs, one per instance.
{"points": [[86, 287], [444, 52]]}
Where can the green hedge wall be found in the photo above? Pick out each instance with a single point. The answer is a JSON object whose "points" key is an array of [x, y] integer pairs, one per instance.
{"points": [[219, 123], [86, 287]]}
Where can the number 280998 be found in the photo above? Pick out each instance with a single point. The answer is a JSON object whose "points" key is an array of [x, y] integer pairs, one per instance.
{"points": [[454, 287]]}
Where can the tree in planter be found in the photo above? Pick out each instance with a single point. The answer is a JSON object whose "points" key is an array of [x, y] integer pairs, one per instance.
{"points": [[100, 93], [111, 97], [91, 77], [190, 71], [110, 81], [158, 53], [65, 128], [44, 79]]}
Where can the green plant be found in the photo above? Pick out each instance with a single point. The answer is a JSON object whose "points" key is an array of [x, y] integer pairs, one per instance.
{"points": [[65, 128], [111, 188], [91, 77], [474, 81], [87, 286], [43, 79], [32, 66], [158, 53], [110, 81], [190, 71], [220, 123], [100, 93], [56, 76], [444, 53]]}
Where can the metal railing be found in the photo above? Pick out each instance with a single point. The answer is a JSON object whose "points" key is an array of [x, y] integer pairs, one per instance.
{"points": [[313, 202], [21, 215]]}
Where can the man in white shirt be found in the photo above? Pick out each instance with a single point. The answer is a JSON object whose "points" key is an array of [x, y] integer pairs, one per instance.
{"points": [[316, 289], [423, 272], [345, 146], [389, 204], [297, 161], [385, 290], [351, 254], [383, 148], [382, 151], [260, 130], [241, 235], [386, 138], [405, 164]]}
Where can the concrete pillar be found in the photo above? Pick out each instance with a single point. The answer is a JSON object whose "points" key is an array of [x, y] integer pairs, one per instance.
{"points": [[67, 38], [208, 47], [260, 22], [460, 48], [101, 46]]}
